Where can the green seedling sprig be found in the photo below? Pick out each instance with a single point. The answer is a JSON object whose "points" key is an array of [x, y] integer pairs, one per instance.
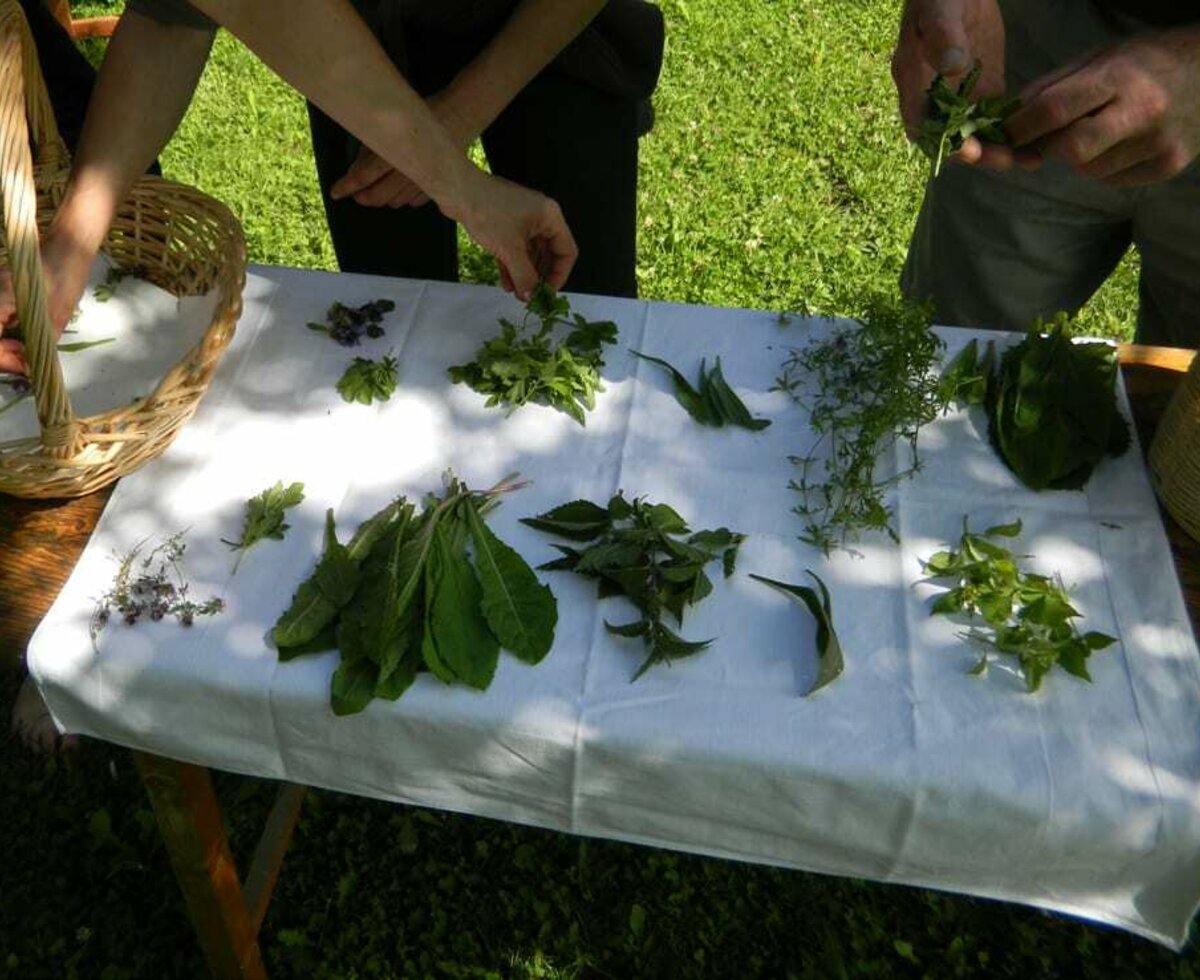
{"points": [[951, 117]]}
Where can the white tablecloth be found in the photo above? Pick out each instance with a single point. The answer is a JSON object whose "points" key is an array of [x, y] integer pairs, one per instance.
{"points": [[1082, 798]]}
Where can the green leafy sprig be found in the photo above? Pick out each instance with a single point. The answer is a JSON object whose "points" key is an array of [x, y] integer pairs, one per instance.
{"points": [[951, 117], [419, 588], [829, 648], [647, 553], [366, 380], [152, 586], [520, 366], [1051, 403], [866, 388], [105, 290], [265, 516], [1024, 615], [712, 402]]}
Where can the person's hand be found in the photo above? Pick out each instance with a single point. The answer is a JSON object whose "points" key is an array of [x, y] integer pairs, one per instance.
{"points": [[66, 266], [525, 230], [1128, 115], [374, 183], [947, 37]]}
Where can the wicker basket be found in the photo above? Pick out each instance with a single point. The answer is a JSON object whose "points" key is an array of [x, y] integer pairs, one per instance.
{"points": [[176, 237], [1175, 454]]}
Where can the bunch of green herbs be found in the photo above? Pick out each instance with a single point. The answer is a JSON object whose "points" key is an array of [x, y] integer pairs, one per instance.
{"points": [[525, 364], [866, 388], [820, 605], [646, 553], [712, 402], [1051, 403], [367, 380], [419, 588], [1024, 615], [151, 585], [951, 117], [265, 516]]}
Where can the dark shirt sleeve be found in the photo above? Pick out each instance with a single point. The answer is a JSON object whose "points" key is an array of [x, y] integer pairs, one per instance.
{"points": [[174, 12]]}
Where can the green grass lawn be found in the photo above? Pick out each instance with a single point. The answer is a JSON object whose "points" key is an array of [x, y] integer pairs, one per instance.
{"points": [[777, 177]]}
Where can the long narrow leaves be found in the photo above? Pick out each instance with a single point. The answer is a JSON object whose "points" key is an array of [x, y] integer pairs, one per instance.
{"points": [[829, 648]]}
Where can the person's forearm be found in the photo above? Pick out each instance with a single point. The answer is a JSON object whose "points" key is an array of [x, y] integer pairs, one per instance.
{"points": [[326, 52], [141, 94], [529, 40]]}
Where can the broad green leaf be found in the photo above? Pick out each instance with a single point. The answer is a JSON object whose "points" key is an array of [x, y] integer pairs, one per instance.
{"points": [[455, 623], [317, 601], [353, 686], [579, 520], [829, 649], [520, 610], [1010, 530], [733, 410], [323, 642], [692, 401], [1098, 641]]}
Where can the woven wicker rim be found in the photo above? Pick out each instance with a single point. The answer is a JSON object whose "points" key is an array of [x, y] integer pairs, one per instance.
{"points": [[175, 236]]}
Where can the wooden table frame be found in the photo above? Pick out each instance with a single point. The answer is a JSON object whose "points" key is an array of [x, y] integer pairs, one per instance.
{"points": [[40, 542]]}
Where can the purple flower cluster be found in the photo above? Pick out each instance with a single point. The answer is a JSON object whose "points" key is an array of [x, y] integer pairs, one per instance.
{"points": [[347, 324]]}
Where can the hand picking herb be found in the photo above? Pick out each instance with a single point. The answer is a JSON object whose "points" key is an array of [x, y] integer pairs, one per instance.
{"points": [[829, 648], [152, 586], [105, 291], [952, 117], [866, 388], [347, 325], [366, 380], [1025, 615], [428, 588], [518, 366], [1051, 403], [646, 553], [265, 516], [713, 402]]}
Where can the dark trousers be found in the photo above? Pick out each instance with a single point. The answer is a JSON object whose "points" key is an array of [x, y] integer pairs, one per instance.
{"points": [[572, 142], [69, 76]]}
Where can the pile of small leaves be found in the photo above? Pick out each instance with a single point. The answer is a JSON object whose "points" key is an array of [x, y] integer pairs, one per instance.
{"points": [[347, 325], [866, 388], [520, 366], [829, 648], [265, 516], [951, 117], [367, 380], [153, 586], [647, 553], [1025, 615], [1051, 403], [416, 589], [713, 402]]}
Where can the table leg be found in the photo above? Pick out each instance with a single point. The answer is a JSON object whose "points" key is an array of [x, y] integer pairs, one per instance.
{"points": [[189, 818]]}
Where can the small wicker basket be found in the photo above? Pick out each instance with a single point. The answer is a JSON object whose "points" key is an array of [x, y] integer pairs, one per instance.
{"points": [[176, 237], [1175, 453]]}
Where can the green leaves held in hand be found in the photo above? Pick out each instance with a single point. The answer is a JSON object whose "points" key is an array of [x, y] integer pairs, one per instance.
{"points": [[714, 402], [951, 117], [647, 553], [264, 516], [1025, 615], [829, 648], [430, 589], [366, 380], [519, 366], [866, 388]]}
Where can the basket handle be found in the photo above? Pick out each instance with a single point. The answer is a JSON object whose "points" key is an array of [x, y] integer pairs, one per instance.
{"points": [[20, 77]]}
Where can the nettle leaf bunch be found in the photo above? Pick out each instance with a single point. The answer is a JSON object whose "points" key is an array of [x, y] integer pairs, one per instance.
{"points": [[151, 586], [1051, 403], [347, 325], [1023, 614], [419, 588], [866, 388], [647, 553], [951, 117], [526, 364]]}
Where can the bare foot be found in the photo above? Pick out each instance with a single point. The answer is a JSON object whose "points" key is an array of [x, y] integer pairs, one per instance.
{"points": [[32, 724]]}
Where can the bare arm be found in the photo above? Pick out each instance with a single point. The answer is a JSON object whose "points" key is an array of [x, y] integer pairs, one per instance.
{"points": [[528, 41]]}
